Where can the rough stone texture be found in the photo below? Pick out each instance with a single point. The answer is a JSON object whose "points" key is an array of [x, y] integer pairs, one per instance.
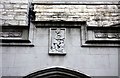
{"points": [[95, 15], [12, 13], [14, 1], [72, 1]]}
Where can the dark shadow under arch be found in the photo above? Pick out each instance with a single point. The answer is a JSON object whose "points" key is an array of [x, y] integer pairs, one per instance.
{"points": [[56, 72]]}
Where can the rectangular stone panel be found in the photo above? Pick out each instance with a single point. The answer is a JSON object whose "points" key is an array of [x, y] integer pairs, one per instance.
{"points": [[100, 36], [106, 35], [10, 34], [57, 41]]}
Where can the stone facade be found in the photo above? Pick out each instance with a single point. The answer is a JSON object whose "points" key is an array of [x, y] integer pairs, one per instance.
{"points": [[20, 59], [92, 61]]}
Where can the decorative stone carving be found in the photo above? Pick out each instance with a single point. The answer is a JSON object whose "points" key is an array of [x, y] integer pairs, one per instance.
{"points": [[107, 35], [100, 36], [57, 41], [10, 34], [14, 34]]}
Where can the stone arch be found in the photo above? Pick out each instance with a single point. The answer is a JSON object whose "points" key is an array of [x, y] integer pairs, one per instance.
{"points": [[56, 72]]}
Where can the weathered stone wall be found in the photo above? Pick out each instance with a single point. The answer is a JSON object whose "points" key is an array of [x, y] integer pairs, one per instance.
{"points": [[16, 13], [94, 15], [71, 1], [23, 60], [13, 12]]}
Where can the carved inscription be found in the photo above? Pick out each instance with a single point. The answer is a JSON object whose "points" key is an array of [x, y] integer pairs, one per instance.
{"points": [[10, 34], [107, 35], [57, 40]]}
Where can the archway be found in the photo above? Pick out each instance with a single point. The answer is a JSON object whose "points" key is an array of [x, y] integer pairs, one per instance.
{"points": [[56, 72]]}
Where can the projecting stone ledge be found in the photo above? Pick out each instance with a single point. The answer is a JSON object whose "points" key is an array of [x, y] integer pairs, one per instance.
{"points": [[94, 15], [76, 24]]}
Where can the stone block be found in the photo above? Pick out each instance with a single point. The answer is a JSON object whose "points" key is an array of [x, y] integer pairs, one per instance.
{"points": [[11, 22], [1, 10], [1, 5], [8, 17], [14, 1], [20, 10], [1, 22], [21, 17], [4, 13], [10, 13], [16, 5], [1, 16], [9, 10], [10, 6], [22, 23], [21, 13], [24, 6]]}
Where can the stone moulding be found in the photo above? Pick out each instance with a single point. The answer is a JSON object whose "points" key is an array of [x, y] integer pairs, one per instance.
{"points": [[75, 2], [67, 24], [10, 34], [100, 36], [56, 72], [90, 35], [14, 36]]}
